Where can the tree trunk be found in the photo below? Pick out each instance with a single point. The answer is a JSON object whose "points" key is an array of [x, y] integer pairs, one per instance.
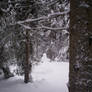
{"points": [[80, 75], [26, 77]]}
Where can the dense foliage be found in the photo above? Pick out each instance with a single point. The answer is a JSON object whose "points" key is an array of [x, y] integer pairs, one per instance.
{"points": [[43, 39]]}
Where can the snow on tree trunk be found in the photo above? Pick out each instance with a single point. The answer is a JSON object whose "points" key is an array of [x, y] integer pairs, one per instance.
{"points": [[80, 76]]}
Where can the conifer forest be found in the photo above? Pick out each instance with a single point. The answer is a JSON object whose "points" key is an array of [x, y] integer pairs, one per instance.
{"points": [[45, 45]]}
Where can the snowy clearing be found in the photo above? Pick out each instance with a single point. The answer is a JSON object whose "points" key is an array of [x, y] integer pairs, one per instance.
{"points": [[47, 77]]}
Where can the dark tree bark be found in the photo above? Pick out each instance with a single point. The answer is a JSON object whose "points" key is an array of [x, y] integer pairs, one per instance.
{"points": [[80, 75], [26, 77]]}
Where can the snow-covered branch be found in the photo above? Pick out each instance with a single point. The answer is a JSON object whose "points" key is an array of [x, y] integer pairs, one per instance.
{"points": [[44, 27], [51, 28], [26, 27], [44, 17], [52, 3]]}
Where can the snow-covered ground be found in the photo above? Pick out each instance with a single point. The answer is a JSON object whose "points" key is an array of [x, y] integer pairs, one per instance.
{"points": [[47, 77]]}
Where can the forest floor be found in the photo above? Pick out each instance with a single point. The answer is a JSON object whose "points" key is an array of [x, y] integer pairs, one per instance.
{"points": [[47, 77]]}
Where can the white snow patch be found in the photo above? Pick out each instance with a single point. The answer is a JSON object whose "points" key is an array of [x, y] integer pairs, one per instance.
{"points": [[47, 77]]}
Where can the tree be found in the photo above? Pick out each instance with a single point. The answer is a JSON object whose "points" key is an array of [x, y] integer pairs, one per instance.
{"points": [[80, 75], [4, 64], [45, 20]]}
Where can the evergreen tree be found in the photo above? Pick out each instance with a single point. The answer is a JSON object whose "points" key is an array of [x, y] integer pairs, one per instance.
{"points": [[25, 39]]}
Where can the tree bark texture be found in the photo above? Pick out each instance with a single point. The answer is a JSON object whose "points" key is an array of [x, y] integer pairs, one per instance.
{"points": [[80, 69], [26, 77]]}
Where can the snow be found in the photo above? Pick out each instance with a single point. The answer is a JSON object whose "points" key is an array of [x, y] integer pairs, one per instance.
{"points": [[47, 77]]}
